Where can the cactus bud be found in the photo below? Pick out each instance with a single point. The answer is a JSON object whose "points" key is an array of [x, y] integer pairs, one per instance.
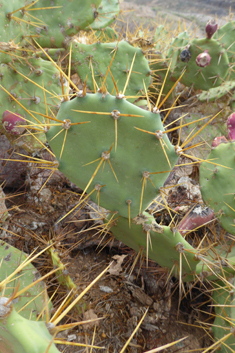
{"points": [[197, 217], [12, 123], [203, 59], [185, 55], [218, 140], [211, 28], [231, 127]]}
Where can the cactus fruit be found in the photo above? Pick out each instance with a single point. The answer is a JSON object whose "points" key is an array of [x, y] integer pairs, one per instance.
{"points": [[185, 55], [211, 28], [196, 217], [218, 140], [203, 59], [231, 127], [12, 123]]}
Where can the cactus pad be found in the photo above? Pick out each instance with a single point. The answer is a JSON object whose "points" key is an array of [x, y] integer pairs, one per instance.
{"points": [[20, 335], [224, 325], [129, 165], [218, 184], [97, 57], [106, 14], [203, 77], [56, 23], [11, 259]]}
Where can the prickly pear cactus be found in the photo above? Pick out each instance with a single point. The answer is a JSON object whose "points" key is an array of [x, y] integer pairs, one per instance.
{"points": [[13, 22], [224, 324], [158, 243], [217, 180], [103, 145], [206, 66], [177, 50], [34, 83], [29, 88], [213, 94], [225, 36], [58, 21], [29, 303], [20, 335], [91, 63], [105, 14]]}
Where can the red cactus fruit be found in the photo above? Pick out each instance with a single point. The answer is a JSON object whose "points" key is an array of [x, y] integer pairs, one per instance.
{"points": [[195, 218], [211, 28], [218, 140], [12, 123], [203, 59], [231, 127]]}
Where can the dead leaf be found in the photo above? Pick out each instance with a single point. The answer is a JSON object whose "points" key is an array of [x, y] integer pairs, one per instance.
{"points": [[90, 315], [116, 266]]}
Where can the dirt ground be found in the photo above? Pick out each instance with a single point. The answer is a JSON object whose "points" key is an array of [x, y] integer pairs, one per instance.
{"points": [[122, 296]]}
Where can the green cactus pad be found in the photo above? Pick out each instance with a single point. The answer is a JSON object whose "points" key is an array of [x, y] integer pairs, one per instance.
{"points": [[11, 259], [122, 173], [225, 36], [106, 35], [57, 22], [25, 81], [62, 276], [159, 68], [98, 56], [164, 245], [203, 77], [217, 127], [224, 324], [161, 38], [217, 263], [176, 47], [106, 14], [218, 184], [20, 335], [12, 22], [217, 92]]}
